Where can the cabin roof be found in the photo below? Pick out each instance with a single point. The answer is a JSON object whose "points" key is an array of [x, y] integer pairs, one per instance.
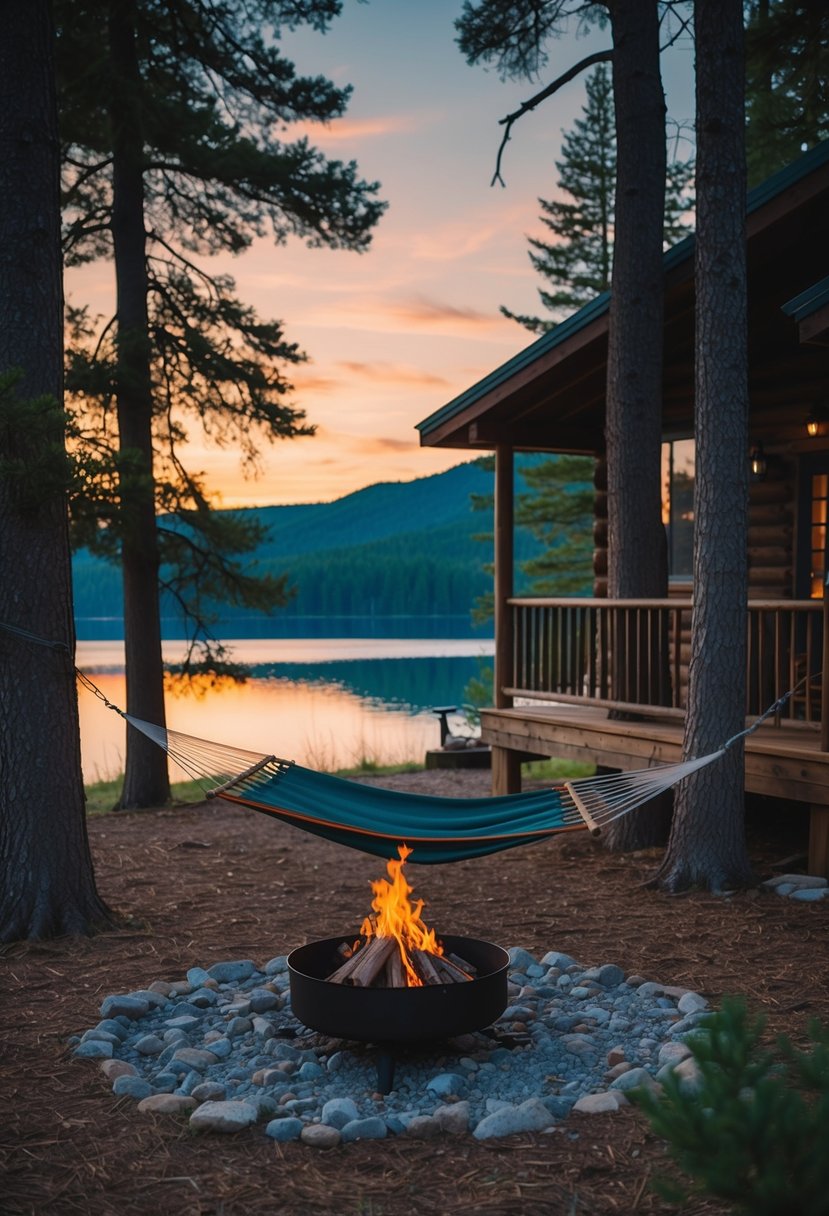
{"points": [[551, 394]]}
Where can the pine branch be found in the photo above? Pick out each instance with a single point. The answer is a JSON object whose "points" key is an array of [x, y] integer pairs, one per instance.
{"points": [[570, 74]]}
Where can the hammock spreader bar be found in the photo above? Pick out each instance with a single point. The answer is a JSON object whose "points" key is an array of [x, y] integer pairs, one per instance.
{"points": [[375, 820]]}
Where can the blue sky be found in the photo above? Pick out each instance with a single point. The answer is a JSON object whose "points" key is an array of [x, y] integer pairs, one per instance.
{"points": [[394, 333]]}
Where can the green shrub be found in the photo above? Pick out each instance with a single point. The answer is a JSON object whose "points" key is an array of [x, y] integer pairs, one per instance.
{"points": [[753, 1129]]}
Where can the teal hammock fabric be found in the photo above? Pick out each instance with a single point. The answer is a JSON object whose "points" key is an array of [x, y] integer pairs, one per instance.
{"points": [[375, 820]]}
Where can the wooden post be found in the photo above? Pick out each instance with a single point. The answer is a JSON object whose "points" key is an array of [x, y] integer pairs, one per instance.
{"points": [[818, 860], [506, 771], [506, 766], [824, 673], [504, 513]]}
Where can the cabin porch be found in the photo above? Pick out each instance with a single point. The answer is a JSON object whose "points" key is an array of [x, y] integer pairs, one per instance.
{"points": [[569, 662]]}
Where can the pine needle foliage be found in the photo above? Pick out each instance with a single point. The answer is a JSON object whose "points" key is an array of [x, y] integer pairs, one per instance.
{"points": [[576, 261], [753, 1128], [787, 82]]}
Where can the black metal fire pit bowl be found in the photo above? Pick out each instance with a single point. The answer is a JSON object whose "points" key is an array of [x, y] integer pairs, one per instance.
{"points": [[390, 1017]]}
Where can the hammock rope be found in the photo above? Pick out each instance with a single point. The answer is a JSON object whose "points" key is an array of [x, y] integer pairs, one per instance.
{"points": [[374, 819]]}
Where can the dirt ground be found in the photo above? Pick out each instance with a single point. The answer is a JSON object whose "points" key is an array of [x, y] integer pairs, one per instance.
{"points": [[200, 884]]}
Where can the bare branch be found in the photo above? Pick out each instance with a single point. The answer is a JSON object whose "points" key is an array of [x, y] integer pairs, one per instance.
{"points": [[570, 74]]}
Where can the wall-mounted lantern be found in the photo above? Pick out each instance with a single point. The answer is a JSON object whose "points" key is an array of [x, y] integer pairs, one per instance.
{"points": [[757, 463], [817, 423]]}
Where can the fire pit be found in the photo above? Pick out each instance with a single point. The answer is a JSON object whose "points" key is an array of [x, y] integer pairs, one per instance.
{"points": [[392, 1017], [404, 1000]]}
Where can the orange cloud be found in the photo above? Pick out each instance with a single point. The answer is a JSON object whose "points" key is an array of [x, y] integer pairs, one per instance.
{"points": [[356, 128], [431, 314], [394, 373]]}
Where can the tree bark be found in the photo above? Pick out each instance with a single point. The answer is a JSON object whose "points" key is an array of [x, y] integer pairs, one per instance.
{"points": [[633, 428], [637, 555], [146, 781], [707, 842], [47, 886]]}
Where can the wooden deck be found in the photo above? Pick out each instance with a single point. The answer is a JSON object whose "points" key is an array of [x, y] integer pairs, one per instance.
{"points": [[783, 761]]}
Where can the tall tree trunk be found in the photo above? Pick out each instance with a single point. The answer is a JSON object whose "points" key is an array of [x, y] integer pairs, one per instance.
{"points": [[146, 781], [47, 885], [707, 843], [637, 555]]}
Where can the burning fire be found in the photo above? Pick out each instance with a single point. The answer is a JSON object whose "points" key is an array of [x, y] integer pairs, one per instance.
{"points": [[394, 915]]}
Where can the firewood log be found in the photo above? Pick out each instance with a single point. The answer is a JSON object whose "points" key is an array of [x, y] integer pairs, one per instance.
{"points": [[395, 971], [425, 967], [343, 972], [465, 966], [374, 958]]}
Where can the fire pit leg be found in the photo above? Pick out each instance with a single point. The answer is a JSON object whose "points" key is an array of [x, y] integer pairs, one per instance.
{"points": [[385, 1071]]}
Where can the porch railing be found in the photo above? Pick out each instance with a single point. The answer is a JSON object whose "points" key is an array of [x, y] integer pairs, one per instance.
{"points": [[633, 654]]}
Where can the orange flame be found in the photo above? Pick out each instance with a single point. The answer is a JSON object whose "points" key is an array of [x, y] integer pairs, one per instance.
{"points": [[396, 916]]}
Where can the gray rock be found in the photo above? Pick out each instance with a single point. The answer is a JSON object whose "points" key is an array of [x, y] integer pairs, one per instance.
{"points": [[521, 959], [530, 1116], [232, 972], [118, 1068], [149, 1045], [100, 1036], [223, 1116], [634, 1078], [185, 1021], [423, 1127], [446, 1083], [453, 1118], [320, 1135], [194, 1057], [94, 1049], [554, 958], [809, 895], [796, 880], [338, 1111], [284, 1130], [372, 1128], [131, 1087], [599, 1104], [132, 1007], [691, 1002], [203, 998], [608, 975], [165, 1104], [262, 999], [209, 1091]]}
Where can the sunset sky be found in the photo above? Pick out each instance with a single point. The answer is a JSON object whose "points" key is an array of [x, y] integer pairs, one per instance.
{"points": [[394, 333]]}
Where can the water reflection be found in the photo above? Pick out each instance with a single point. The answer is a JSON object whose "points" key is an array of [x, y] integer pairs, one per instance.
{"points": [[328, 703]]}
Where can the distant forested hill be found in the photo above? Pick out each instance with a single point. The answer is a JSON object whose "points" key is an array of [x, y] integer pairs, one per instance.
{"points": [[392, 548]]}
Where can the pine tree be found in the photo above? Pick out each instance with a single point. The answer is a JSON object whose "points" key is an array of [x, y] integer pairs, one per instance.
{"points": [[172, 115], [47, 885], [787, 82], [577, 263], [558, 510]]}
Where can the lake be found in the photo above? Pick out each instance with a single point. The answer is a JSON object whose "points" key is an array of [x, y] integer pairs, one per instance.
{"points": [[325, 702]]}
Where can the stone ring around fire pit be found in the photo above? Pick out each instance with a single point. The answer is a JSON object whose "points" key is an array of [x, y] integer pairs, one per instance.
{"points": [[394, 1017]]}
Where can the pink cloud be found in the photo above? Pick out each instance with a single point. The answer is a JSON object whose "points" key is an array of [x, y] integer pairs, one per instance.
{"points": [[393, 373]]}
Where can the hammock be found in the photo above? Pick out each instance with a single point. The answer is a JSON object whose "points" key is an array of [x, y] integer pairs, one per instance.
{"points": [[375, 820]]}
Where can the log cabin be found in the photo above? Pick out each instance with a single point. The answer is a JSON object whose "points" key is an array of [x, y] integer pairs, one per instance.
{"points": [[554, 687]]}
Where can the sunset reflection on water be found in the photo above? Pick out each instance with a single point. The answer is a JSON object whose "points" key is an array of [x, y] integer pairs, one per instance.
{"points": [[318, 724]]}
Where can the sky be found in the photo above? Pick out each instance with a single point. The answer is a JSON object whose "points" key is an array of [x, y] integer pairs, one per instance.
{"points": [[394, 333]]}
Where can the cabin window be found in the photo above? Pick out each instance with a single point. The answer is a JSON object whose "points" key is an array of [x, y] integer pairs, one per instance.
{"points": [[678, 465], [817, 538]]}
